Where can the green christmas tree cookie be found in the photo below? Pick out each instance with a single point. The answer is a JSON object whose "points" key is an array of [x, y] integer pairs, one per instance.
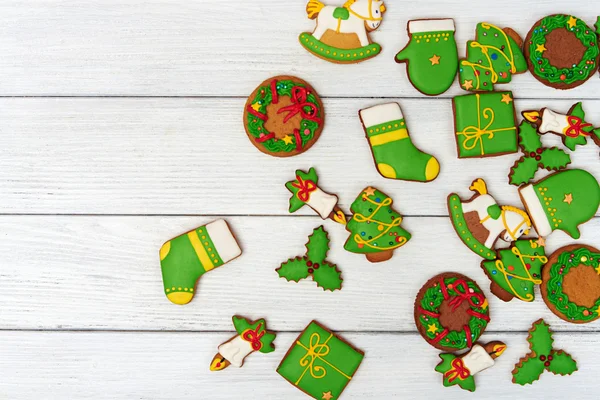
{"points": [[542, 357], [516, 270], [536, 156], [492, 58], [325, 274]]}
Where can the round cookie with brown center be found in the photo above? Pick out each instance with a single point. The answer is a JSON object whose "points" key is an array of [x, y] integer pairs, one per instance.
{"points": [[451, 312], [571, 283], [562, 51], [284, 116]]}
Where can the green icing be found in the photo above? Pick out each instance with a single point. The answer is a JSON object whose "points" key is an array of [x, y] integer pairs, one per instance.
{"points": [[375, 226], [259, 327], [578, 72], [492, 58], [582, 256], [341, 13], [452, 289], [542, 357], [581, 139], [460, 225], [319, 362], [518, 269], [264, 97], [325, 274], [523, 171], [320, 49], [295, 187], [445, 366], [432, 59], [494, 211], [529, 138], [485, 124]]}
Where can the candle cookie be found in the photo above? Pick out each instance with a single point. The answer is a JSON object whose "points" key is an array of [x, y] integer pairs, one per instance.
{"points": [[251, 337], [451, 312], [571, 283], [284, 116], [184, 259]]}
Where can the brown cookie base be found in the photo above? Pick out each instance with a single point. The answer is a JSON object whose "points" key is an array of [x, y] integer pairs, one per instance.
{"points": [[275, 123]]}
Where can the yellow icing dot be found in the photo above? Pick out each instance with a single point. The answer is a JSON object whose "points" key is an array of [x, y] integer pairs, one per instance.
{"points": [[583, 259], [168, 290], [203, 237]]}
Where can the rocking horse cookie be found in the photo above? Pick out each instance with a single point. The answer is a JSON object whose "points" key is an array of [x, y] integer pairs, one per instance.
{"points": [[284, 116], [480, 221], [342, 33]]}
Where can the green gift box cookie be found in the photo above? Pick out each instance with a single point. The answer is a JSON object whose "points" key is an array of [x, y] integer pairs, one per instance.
{"points": [[320, 363], [485, 124]]}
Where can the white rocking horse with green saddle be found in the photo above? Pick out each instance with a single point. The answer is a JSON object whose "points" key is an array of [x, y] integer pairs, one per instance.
{"points": [[342, 33]]}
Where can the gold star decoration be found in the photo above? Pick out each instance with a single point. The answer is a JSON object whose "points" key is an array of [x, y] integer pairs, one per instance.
{"points": [[541, 48], [432, 328], [541, 242], [568, 198], [327, 395], [256, 106], [598, 271], [468, 84], [287, 139], [370, 191], [435, 60], [572, 22], [506, 98]]}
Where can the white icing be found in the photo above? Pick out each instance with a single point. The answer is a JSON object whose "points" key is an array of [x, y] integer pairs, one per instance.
{"points": [[236, 350], [381, 114], [535, 209], [223, 239], [477, 360], [554, 122], [430, 25], [323, 203]]}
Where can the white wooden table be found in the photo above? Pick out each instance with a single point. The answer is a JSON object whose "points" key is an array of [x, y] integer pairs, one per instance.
{"points": [[120, 127]]}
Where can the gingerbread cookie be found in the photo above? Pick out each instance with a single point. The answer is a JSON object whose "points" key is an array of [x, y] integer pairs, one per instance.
{"points": [[562, 201], [284, 116], [251, 337], [451, 312], [493, 57], [562, 51], [536, 157], [460, 370], [342, 33], [306, 192], [572, 127], [516, 270], [184, 259], [395, 155], [485, 124], [480, 221], [313, 263], [571, 283], [542, 357], [320, 363], [375, 227], [431, 55]]}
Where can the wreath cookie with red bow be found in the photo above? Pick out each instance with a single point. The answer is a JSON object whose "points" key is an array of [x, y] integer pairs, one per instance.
{"points": [[284, 116], [451, 312]]}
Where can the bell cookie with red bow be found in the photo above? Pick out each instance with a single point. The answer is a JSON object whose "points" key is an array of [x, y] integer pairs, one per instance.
{"points": [[305, 191], [572, 127], [251, 337], [460, 370], [284, 116], [451, 312]]}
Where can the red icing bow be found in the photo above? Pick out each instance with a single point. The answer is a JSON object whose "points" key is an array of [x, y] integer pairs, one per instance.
{"points": [[253, 337], [465, 295], [306, 188], [576, 126], [458, 371], [299, 97]]}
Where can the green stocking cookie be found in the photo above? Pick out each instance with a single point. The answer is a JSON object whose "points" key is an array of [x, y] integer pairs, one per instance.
{"points": [[431, 55]]}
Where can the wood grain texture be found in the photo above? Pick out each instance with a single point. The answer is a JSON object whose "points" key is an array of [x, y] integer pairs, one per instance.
{"points": [[175, 366], [192, 156], [166, 47]]}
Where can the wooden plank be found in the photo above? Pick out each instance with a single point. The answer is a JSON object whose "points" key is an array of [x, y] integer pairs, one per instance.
{"points": [[62, 272], [175, 365], [191, 156], [173, 47]]}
